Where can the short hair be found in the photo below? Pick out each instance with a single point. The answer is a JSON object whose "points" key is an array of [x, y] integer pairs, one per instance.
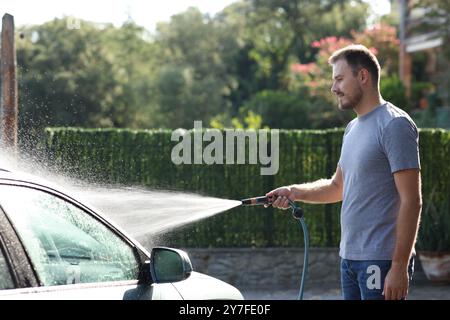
{"points": [[357, 57]]}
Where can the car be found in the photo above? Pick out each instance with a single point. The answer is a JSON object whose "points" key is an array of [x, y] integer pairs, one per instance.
{"points": [[53, 246]]}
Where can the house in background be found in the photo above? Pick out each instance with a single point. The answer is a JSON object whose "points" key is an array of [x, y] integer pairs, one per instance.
{"points": [[422, 61]]}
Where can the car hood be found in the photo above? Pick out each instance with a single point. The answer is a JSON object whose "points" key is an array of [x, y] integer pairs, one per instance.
{"points": [[202, 287]]}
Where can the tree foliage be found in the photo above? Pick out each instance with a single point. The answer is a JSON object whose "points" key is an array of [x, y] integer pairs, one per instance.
{"points": [[194, 81], [238, 68], [84, 77]]}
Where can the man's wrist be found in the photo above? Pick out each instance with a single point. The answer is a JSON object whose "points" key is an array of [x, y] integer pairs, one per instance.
{"points": [[295, 192], [399, 265]]}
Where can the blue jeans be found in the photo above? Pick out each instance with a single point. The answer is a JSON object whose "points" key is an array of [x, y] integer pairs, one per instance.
{"points": [[364, 280]]}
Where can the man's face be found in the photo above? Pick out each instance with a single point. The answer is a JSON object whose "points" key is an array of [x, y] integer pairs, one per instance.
{"points": [[346, 86]]}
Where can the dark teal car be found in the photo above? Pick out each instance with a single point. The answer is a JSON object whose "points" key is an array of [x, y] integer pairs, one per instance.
{"points": [[55, 247]]}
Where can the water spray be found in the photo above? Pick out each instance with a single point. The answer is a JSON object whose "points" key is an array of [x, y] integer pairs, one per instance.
{"points": [[297, 213]]}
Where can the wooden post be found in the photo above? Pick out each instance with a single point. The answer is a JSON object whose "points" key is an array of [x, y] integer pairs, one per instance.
{"points": [[404, 57], [9, 91], [405, 69]]}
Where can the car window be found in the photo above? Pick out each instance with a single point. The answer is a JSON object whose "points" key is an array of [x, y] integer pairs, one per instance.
{"points": [[6, 281], [65, 244]]}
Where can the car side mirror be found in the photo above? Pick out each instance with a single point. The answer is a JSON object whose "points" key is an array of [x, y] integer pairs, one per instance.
{"points": [[169, 265]]}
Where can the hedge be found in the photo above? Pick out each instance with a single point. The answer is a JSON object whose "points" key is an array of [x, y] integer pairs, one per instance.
{"points": [[143, 157]]}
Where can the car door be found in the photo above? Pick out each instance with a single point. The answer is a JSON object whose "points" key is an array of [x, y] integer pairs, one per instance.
{"points": [[6, 278], [72, 253]]}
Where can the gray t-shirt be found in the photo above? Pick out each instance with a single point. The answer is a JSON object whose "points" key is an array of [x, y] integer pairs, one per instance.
{"points": [[375, 146]]}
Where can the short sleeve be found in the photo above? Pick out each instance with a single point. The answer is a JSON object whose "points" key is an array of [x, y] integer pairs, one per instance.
{"points": [[347, 129], [401, 144]]}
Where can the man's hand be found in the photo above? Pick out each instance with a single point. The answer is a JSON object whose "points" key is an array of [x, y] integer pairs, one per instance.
{"points": [[282, 196], [396, 283]]}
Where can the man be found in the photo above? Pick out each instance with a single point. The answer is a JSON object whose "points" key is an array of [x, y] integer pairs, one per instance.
{"points": [[377, 179]]}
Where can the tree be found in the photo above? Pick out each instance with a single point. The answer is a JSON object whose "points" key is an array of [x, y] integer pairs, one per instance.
{"points": [[382, 38], [194, 81], [91, 76], [276, 34], [281, 31]]}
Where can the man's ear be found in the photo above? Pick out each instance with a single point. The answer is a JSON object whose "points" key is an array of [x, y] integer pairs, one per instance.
{"points": [[363, 76]]}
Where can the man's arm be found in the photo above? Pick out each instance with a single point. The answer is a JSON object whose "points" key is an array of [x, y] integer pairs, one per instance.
{"points": [[320, 191], [408, 185]]}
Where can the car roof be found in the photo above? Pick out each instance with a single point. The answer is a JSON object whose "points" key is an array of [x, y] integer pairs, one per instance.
{"points": [[11, 175], [22, 176]]}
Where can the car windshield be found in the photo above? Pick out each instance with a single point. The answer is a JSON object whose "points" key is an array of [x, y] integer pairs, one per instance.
{"points": [[65, 244]]}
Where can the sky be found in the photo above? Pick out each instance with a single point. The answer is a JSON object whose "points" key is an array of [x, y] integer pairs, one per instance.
{"points": [[145, 13]]}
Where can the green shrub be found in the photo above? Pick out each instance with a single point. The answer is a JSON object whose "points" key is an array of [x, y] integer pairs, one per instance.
{"points": [[392, 90], [434, 232], [299, 110]]}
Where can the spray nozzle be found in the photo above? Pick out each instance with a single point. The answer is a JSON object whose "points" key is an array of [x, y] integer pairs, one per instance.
{"points": [[297, 212], [257, 201]]}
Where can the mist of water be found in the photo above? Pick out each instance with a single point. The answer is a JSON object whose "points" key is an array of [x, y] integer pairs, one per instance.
{"points": [[144, 212]]}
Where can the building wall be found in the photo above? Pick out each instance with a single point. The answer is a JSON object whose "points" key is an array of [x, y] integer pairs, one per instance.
{"points": [[252, 268]]}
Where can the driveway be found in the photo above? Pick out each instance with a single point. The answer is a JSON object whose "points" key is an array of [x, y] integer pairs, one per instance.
{"points": [[418, 291]]}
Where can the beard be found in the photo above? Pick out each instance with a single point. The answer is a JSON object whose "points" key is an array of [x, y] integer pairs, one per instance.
{"points": [[351, 100]]}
